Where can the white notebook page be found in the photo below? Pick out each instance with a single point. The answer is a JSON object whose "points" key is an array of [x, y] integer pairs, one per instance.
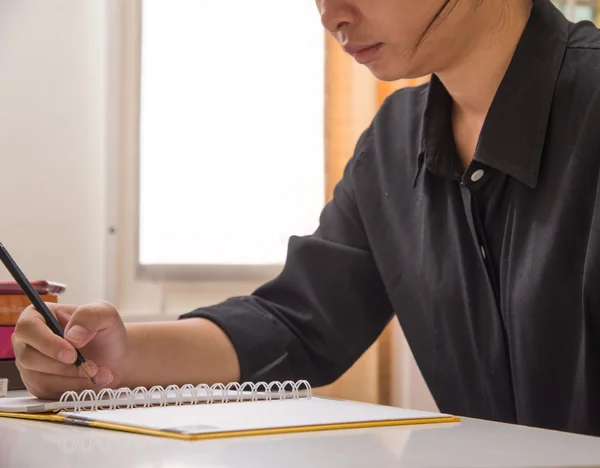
{"points": [[242, 416]]}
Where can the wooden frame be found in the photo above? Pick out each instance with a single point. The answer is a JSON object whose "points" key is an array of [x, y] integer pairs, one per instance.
{"points": [[352, 97]]}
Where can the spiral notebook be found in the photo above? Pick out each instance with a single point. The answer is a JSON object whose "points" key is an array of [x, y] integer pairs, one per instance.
{"points": [[207, 412]]}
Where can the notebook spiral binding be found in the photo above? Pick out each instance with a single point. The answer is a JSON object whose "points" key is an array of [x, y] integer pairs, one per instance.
{"points": [[124, 397]]}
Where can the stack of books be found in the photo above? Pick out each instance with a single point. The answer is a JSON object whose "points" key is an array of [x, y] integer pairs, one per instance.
{"points": [[12, 302]]}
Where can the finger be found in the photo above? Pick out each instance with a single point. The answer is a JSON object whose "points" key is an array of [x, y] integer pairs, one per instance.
{"points": [[62, 312], [53, 386], [32, 360], [31, 330], [88, 320]]}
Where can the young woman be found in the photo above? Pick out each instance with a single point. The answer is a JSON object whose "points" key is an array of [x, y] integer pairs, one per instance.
{"points": [[470, 210]]}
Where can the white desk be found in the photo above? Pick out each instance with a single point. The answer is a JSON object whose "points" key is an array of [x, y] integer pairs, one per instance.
{"points": [[472, 443]]}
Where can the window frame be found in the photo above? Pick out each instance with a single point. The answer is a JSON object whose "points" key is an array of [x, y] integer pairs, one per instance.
{"points": [[138, 297]]}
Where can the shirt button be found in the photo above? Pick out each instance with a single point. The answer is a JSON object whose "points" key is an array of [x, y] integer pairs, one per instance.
{"points": [[482, 251], [477, 175]]}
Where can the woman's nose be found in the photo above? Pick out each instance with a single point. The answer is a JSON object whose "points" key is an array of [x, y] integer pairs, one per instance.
{"points": [[336, 15]]}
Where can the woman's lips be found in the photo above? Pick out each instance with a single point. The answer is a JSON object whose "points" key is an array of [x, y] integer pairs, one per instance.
{"points": [[363, 53]]}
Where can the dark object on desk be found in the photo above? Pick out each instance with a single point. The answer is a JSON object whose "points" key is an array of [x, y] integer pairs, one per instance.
{"points": [[8, 370], [38, 304]]}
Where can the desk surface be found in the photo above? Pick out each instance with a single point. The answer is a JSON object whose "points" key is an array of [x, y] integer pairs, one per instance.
{"points": [[471, 443]]}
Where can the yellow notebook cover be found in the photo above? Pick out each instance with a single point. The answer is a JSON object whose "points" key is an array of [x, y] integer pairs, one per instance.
{"points": [[216, 413]]}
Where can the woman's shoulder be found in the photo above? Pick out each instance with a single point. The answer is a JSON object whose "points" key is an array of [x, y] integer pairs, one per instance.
{"points": [[391, 144], [584, 35], [398, 122], [579, 80], [400, 116], [406, 104]]}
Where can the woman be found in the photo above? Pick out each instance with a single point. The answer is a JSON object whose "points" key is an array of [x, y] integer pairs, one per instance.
{"points": [[468, 210]]}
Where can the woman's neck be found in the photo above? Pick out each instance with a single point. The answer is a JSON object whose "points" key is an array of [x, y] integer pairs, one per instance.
{"points": [[474, 76], [473, 79]]}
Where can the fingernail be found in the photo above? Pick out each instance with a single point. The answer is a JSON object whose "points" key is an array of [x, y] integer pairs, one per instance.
{"points": [[92, 367], [76, 333], [67, 356], [104, 376]]}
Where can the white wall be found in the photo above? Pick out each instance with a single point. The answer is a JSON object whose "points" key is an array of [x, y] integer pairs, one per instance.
{"points": [[52, 141]]}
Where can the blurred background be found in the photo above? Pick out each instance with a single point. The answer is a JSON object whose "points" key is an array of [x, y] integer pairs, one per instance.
{"points": [[159, 154]]}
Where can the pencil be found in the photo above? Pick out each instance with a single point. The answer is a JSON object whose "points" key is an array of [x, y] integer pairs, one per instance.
{"points": [[39, 304]]}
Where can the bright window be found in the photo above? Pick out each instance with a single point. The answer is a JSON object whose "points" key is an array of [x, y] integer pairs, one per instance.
{"points": [[231, 130]]}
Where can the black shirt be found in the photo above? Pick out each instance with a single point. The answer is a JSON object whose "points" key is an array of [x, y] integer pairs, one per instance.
{"points": [[493, 272]]}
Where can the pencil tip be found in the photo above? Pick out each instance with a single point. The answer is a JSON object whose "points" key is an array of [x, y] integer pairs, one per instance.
{"points": [[86, 369]]}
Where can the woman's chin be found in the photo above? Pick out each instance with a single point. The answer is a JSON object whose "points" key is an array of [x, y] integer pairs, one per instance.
{"points": [[392, 72]]}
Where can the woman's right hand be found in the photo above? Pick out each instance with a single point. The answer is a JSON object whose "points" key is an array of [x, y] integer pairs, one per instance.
{"points": [[46, 361]]}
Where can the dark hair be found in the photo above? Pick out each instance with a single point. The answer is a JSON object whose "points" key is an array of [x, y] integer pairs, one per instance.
{"points": [[441, 15]]}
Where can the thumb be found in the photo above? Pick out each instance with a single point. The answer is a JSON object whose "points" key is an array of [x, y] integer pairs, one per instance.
{"points": [[88, 320]]}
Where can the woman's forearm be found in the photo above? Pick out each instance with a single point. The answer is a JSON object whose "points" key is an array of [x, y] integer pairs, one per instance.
{"points": [[180, 352]]}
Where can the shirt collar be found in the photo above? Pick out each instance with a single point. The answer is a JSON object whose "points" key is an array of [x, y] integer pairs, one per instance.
{"points": [[513, 135]]}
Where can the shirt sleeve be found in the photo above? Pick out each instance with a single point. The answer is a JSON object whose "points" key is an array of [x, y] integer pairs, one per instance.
{"points": [[322, 312]]}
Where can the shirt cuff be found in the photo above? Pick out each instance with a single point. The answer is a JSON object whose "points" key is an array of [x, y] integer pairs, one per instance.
{"points": [[260, 341]]}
